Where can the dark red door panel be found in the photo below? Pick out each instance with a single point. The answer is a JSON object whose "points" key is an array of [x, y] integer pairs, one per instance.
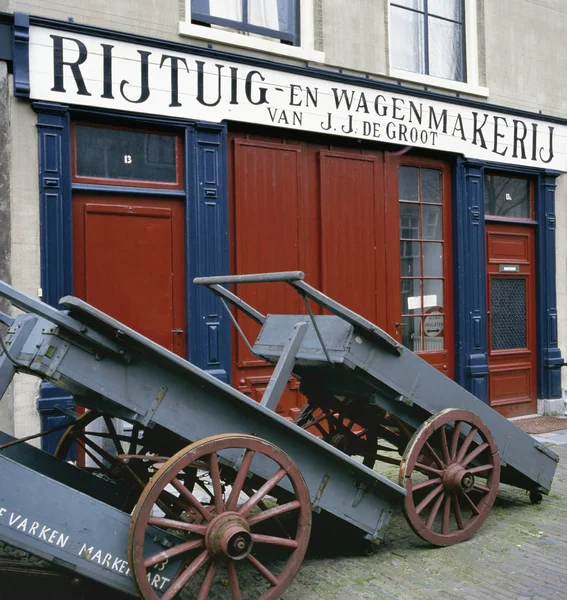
{"points": [[129, 262]]}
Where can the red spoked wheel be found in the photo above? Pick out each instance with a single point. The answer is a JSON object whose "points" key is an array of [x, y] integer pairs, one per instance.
{"points": [[228, 527], [451, 472]]}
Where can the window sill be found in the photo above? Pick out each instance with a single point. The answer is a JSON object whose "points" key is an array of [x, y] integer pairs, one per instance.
{"points": [[437, 82], [246, 41]]}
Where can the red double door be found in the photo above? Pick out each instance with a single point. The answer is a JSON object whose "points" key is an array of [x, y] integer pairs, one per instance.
{"points": [[332, 212]]}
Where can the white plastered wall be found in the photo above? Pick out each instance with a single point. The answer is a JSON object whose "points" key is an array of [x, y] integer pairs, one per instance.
{"points": [[25, 244]]}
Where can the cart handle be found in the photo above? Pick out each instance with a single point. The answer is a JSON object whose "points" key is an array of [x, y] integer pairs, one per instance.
{"points": [[283, 276]]}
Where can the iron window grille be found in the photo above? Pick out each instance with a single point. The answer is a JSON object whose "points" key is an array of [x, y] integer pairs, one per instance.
{"points": [[435, 42], [248, 17]]}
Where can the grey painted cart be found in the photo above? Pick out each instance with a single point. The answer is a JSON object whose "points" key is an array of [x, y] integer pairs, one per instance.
{"points": [[184, 481]]}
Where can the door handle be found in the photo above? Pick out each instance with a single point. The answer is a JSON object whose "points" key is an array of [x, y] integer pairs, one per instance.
{"points": [[177, 331]]}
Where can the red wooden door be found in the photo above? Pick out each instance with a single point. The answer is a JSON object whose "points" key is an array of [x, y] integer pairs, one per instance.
{"points": [[419, 266], [129, 263], [510, 255]]}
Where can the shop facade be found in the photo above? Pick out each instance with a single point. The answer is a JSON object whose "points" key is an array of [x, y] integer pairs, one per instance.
{"points": [[157, 162]]}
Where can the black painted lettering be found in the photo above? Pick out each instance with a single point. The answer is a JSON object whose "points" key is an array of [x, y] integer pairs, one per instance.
{"points": [[362, 104], [312, 96], [107, 71], [294, 91], [144, 79], [415, 112], [59, 64], [520, 133], [498, 135], [263, 91], [550, 147], [435, 123], [380, 106], [343, 96], [397, 108], [233, 85], [201, 84], [477, 130], [174, 65], [459, 128]]}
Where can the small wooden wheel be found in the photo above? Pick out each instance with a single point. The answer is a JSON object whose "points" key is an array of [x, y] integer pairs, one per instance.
{"points": [[221, 531], [451, 472]]}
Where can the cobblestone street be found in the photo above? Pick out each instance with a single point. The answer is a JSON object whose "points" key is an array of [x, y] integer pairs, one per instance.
{"points": [[519, 552]]}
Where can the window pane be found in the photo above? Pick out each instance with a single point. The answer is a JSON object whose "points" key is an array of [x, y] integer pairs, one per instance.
{"points": [[432, 223], [411, 333], [407, 184], [507, 197], [272, 14], [508, 306], [409, 221], [119, 154], [417, 4], [432, 259], [410, 259], [223, 9], [432, 293], [407, 41], [450, 9], [411, 296], [445, 49], [431, 186]]}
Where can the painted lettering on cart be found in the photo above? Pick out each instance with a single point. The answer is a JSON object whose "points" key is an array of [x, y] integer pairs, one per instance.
{"points": [[115, 74], [33, 528], [120, 565]]}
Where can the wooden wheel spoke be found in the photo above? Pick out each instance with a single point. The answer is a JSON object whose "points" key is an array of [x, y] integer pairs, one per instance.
{"points": [[273, 512], [262, 492], [268, 575], [233, 581], [96, 459], [207, 582], [434, 455], [179, 583], [171, 552], [275, 541], [240, 479], [458, 512], [113, 434], [191, 499], [428, 499], [217, 485], [134, 439], [445, 446], [98, 449], [481, 469], [468, 441], [427, 469], [427, 483], [455, 439], [446, 515], [174, 524], [474, 453], [435, 511], [473, 506]]}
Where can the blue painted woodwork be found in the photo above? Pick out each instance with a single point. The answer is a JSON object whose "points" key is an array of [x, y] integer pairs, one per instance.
{"points": [[549, 355], [20, 54], [470, 278], [207, 247], [55, 240]]}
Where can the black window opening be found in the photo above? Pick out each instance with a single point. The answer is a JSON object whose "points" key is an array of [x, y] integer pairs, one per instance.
{"points": [[507, 196], [271, 18], [428, 37]]}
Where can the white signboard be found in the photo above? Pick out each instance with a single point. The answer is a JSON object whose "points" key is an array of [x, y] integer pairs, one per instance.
{"points": [[89, 71]]}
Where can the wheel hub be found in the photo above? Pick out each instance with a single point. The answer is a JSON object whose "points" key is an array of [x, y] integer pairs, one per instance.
{"points": [[228, 536], [457, 479]]}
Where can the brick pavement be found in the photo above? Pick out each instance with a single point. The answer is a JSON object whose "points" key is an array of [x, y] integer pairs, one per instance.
{"points": [[519, 552]]}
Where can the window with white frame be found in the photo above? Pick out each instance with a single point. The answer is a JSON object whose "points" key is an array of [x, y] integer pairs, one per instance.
{"points": [[277, 19], [284, 27], [428, 37]]}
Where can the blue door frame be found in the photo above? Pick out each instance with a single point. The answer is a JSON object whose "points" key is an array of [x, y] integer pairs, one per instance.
{"points": [[206, 234], [471, 341]]}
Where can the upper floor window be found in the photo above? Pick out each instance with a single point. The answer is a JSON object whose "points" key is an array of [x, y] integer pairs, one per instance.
{"points": [[428, 37], [271, 18], [281, 27]]}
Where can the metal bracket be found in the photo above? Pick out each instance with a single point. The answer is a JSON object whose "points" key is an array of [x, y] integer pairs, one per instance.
{"points": [[154, 406]]}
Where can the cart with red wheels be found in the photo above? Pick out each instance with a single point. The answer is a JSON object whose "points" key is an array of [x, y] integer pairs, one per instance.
{"points": [[185, 487]]}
